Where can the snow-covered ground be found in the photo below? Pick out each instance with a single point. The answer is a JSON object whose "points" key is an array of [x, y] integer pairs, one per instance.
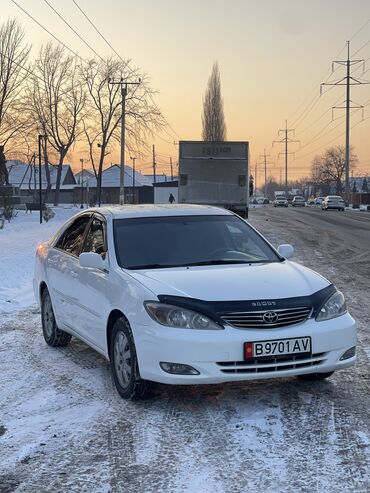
{"points": [[18, 241]]}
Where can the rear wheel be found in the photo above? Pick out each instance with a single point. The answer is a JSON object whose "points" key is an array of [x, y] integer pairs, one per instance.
{"points": [[316, 376], [52, 335], [124, 363]]}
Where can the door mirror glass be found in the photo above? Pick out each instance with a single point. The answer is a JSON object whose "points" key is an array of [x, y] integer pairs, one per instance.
{"points": [[286, 250], [92, 260]]}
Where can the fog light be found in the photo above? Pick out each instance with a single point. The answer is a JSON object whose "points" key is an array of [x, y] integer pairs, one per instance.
{"points": [[348, 354], [178, 368]]}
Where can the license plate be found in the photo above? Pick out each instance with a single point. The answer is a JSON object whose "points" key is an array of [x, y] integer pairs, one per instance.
{"points": [[279, 347]]}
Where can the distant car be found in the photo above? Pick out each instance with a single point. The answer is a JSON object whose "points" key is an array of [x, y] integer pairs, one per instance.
{"points": [[281, 202], [333, 202], [298, 201], [319, 200], [311, 201], [262, 200]]}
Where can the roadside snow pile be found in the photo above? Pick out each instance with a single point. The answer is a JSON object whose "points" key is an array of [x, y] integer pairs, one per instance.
{"points": [[18, 242]]}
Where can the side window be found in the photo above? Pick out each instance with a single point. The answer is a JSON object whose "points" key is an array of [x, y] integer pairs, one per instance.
{"points": [[72, 238], [95, 238]]}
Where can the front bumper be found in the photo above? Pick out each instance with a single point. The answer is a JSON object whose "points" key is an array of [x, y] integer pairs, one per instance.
{"points": [[212, 352]]}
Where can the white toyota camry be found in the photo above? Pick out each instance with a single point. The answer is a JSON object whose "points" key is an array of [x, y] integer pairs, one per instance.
{"points": [[188, 295]]}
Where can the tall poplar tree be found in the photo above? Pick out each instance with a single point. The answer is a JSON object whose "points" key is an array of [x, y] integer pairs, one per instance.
{"points": [[213, 119]]}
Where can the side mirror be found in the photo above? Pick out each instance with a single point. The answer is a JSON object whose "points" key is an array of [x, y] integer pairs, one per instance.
{"points": [[93, 260], [286, 250]]}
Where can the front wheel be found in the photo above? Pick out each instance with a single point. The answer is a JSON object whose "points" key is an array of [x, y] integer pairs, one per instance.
{"points": [[124, 363], [316, 376], [52, 335]]}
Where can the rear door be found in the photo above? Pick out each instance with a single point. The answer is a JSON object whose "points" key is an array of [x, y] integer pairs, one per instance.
{"points": [[62, 271]]}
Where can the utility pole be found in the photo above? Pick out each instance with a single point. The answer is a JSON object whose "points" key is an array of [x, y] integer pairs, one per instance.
{"points": [[82, 181], [255, 177], [286, 140], [347, 81], [41, 137], [265, 163], [154, 165], [171, 169], [123, 85], [133, 159]]}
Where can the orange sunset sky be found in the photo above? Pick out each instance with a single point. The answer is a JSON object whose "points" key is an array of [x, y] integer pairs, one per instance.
{"points": [[272, 54]]}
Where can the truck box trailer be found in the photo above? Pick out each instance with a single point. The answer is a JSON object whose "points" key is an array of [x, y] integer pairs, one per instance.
{"points": [[214, 173]]}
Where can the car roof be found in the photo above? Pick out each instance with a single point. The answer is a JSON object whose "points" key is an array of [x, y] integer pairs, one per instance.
{"points": [[157, 210]]}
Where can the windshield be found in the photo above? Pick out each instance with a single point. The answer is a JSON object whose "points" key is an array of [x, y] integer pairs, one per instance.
{"points": [[155, 242]]}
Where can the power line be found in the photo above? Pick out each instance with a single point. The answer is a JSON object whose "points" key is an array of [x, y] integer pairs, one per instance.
{"points": [[265, 163], [313, 101], [361, 48], [286, 140], [78, 56], [119, 56], [72, 29], [51, 34], [348, 81], [335, 138], [100, 34]]}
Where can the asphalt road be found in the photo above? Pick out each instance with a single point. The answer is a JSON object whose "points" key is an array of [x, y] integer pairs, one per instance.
{"points": [[64, 428], [351, 228]]}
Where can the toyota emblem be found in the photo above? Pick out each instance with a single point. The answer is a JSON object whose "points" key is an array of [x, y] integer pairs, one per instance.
{"points": [[270, 317]]}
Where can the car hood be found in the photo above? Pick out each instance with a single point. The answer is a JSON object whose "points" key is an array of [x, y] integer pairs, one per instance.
{"points": [[233, 282]]}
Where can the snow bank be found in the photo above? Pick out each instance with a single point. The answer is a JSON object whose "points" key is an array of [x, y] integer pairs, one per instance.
{"points": [[18, 241]]}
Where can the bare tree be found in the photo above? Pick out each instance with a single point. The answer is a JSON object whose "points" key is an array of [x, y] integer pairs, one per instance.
{"points": [[57, 99], [142, 115], [13, 55], [329, 168], [213, 119]]}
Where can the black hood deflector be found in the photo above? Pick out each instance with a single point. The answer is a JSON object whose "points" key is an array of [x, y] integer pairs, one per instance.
{"points": [[216, 309]]}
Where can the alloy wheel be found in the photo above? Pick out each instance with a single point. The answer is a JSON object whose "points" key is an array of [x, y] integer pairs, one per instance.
{"points": [[48, 317], [122, 359]]}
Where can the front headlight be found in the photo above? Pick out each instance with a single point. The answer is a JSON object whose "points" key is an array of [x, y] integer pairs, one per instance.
{"points": [[180, 318], [333, 307]]}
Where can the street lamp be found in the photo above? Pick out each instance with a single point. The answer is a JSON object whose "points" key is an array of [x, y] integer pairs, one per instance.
{"points": [[133, 159]]}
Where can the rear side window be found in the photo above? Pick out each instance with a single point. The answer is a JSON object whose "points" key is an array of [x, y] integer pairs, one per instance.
{"points": [[95, 241], [72, 239]]}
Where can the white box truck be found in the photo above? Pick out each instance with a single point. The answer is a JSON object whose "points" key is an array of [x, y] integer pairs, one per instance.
{"points": [[214, 173]]}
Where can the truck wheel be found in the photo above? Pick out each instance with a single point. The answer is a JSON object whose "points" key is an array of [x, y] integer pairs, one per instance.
{"points": [[53, 336], [124, 363]]}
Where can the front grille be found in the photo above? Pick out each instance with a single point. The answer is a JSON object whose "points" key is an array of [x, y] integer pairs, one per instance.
{"points": [[280, 363], [255, 319]]}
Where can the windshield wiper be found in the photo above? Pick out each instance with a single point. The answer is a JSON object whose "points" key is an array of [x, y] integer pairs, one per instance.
{"points": [[149, 266], [226, 261], [195, 264]]}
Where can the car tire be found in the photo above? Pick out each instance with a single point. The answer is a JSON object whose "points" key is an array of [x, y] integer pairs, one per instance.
{"points": [[53, 336], [316, 376], [124, 364]]}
